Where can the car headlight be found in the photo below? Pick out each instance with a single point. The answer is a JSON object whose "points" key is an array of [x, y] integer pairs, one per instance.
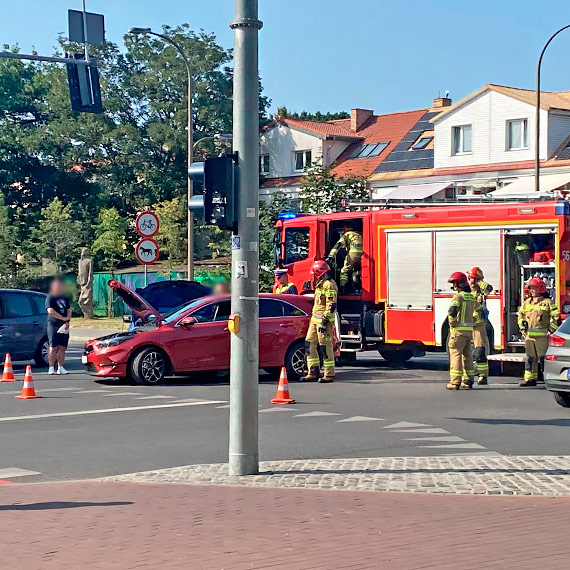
{"points": [[113, 341]]}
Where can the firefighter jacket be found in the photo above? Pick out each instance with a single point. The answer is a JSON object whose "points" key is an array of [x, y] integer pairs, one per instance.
{"points": [[463, 307], [351, 241], [325, 300], [288, 289], [538, 316], [481, 291]]}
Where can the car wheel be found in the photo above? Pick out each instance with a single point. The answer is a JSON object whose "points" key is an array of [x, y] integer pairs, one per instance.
{"points": [[149, 367], [41, 358], [295, 361], [562, 398], [396, 357]]}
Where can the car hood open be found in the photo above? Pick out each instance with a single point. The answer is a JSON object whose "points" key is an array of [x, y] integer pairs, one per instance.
{"points": [[136, 303]]}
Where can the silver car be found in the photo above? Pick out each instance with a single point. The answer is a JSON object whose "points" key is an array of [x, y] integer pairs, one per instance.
{"points": [[557, 365]]}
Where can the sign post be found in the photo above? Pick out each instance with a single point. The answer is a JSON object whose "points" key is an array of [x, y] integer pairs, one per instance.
{"points": [[147, 249]]}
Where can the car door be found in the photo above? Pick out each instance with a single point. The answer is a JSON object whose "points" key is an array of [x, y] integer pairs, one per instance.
{"points": [[40, 322], [18, 325], [204, 345]]}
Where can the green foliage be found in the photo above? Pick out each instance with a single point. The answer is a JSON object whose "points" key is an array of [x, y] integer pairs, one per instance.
{"points": [[7, 247], [173, 234], [306, 116], [111, 240]]}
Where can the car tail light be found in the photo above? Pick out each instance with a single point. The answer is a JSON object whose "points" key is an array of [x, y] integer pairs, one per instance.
{"points": [[556, 340], [550, 357]]}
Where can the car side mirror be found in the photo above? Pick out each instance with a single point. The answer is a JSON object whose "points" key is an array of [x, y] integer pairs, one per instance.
{"points": [[188, 321], [127, 318]]}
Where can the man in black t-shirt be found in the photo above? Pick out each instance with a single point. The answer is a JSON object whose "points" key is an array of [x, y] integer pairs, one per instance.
{"points": [[58, 307]]}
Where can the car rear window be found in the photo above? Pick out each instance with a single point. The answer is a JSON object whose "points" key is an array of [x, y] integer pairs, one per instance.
{"points": [[39, 302], [565, 326], [269, 308], [16, 305]]}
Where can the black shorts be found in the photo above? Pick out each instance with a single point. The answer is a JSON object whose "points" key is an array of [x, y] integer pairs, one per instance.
{"points": [[55, 338]]}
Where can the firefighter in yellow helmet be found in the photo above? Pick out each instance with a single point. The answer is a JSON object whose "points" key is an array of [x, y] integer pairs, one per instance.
{"points": [[351, 242], [538, 316], [320, 333], [460, 316], [283, 285], [481, 290]]}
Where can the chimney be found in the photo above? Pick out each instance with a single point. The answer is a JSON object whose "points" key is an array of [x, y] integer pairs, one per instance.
{"points": [[358, 117], [440, 102]]}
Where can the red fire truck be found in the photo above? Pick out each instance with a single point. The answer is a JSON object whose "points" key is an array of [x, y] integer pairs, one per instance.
{"points": [[410, 250]]}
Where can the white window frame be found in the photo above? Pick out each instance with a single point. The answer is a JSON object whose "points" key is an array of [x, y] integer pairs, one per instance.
{"points": [[305, 164], [262, 170], [461, 129], [524, 134]]}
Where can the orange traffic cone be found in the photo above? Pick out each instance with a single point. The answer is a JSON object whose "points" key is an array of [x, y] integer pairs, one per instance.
{"points": [[28, 391], [282, 396], [8, 373]]}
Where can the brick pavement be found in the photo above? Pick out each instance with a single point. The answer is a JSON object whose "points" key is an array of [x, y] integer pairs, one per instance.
{"points": [[96, 525]]}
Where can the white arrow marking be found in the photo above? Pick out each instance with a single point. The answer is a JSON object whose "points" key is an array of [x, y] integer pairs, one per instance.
{"points": [[401, 425], [315, 414], [360, 419]]}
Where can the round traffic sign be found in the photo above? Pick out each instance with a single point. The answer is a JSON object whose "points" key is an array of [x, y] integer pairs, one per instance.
{"points": [[147, 224], [147, 251]]}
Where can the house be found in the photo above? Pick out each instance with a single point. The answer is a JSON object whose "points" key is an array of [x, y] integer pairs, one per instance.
{"points": [[480, 144]]}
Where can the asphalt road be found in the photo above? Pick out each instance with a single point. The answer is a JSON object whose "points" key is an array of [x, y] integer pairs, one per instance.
{"points": [[81, 428]]}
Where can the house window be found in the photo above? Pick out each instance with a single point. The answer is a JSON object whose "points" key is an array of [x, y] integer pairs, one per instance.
{"points": [[517, 134], [462, 139], [422, 143], [368, 150], [302, 160], [263, 164]]}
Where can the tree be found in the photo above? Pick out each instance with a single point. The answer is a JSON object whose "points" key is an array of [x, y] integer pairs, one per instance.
{"points": [[7, 247], [306, 116], [110, 242], [58, 235], [173, 234]]}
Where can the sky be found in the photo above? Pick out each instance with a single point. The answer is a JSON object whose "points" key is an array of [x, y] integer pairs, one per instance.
{"points": [[333, 55]]}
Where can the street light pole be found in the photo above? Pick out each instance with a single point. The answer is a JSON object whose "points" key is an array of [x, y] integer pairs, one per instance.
{"points": [[244, 365], [537, 118], [190, 129]]}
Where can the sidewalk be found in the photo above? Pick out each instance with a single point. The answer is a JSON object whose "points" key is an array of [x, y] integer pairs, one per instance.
{"points": [[106, 525]]}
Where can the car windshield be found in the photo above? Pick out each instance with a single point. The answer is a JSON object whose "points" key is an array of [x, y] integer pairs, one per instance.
{"points": [[176, 313]]}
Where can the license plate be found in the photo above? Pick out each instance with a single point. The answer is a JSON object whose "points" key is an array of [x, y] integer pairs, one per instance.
{"points": [[83, 359]]}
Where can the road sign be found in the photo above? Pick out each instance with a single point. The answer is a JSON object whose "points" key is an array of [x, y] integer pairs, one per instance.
{"points": [[95, 27], [147, 224], [147, 251]]}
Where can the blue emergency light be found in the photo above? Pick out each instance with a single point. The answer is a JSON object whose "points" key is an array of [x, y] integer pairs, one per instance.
{"points": [[286, 216], [562, 208]]}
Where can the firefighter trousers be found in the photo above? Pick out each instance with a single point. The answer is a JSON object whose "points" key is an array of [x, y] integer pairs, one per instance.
{"points": [[535, 349], [316, 341], [350, 269], [481, 349], [460, 356]]}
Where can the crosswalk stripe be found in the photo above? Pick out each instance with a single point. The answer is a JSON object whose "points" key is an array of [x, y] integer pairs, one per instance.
{"points": [[360, 419], [448, 438], [455, 446], [401, 425], [13, 472], [315, 414], [41, 389], [157, 397], [279, 409], [421, 430], [121, 394]]}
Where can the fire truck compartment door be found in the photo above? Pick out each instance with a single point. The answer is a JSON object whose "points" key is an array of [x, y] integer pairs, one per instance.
{"points": [[460, 250], [409, 260]]}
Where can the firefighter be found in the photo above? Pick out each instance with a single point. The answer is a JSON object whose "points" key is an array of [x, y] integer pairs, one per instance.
{"points": [[538, 316], [460, 316], [481, 291], [283, 285], [351, 242], [320, 333]]}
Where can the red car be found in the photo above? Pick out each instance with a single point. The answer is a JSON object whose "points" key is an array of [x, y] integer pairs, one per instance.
{"points": [[196, 338]]}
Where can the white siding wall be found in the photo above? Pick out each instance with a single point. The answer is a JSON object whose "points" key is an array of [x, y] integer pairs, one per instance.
{"points": [[280, 142], [488, 113], [558, 130], [333, 149]]}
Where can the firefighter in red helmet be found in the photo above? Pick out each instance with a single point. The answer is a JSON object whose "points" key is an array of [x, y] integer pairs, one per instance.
{"points": [[320, 333], [538, 316], [481, 290], [460, 317]]}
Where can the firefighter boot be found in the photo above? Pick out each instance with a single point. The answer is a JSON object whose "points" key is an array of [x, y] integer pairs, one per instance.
{"points": [[466, 384], [482, 381], [312, 375], [452, 386]]}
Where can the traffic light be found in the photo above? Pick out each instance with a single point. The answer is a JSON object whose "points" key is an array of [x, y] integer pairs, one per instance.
{"points": [[84, 88], [218, 201]]}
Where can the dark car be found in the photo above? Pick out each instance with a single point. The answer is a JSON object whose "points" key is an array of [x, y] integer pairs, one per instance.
{"points": [[23, 325]]}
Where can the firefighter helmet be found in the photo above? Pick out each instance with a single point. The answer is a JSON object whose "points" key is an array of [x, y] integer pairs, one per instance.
{"points": [[458, 277], [319, 268], [538, 283], [475, 273]]}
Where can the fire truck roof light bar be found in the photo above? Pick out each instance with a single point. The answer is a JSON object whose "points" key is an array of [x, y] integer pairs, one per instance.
{"points": [[478, 202]]}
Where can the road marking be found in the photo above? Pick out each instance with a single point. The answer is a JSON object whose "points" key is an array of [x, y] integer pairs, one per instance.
{"points": [[92, 392], [121, 394], [401, 425], [279, 409], [191, 400], [456, 446], [316, 414], [474, 454], [157, 397], [109, 410], [421, 430], [221, 407], [360, 419], [42, 390], [12, 472], [442, 438]]}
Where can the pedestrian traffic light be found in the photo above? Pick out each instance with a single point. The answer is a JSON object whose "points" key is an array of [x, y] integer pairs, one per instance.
{"points": [[84, 88], [217, 203]]}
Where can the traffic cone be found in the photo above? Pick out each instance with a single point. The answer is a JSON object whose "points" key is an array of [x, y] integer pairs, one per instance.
{"points": [[282, 396], [28, 392], [8, 373]]}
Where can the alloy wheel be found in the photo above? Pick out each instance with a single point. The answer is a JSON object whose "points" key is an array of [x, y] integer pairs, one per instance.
{"points": [[298, 361], [153, 367]]}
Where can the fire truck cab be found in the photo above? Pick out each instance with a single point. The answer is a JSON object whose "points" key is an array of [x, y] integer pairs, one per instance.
{"points": [[410, 250]]}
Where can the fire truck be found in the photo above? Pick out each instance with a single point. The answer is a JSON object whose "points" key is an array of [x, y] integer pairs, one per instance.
{"points": [[410, 250]]}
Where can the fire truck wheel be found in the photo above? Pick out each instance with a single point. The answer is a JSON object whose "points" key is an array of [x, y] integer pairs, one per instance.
{"points": [[562, 398], [396, 357]]}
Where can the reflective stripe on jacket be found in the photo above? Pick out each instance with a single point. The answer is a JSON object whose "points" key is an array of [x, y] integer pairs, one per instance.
{"points": [[541, 316], [351, 241], [461, 310], [481, 290], [325, 299], [287, 289]]}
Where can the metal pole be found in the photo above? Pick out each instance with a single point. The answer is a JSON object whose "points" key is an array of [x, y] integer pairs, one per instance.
{"points": [[85, 44], [537, 111], [244, 373], [145, 274]]}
